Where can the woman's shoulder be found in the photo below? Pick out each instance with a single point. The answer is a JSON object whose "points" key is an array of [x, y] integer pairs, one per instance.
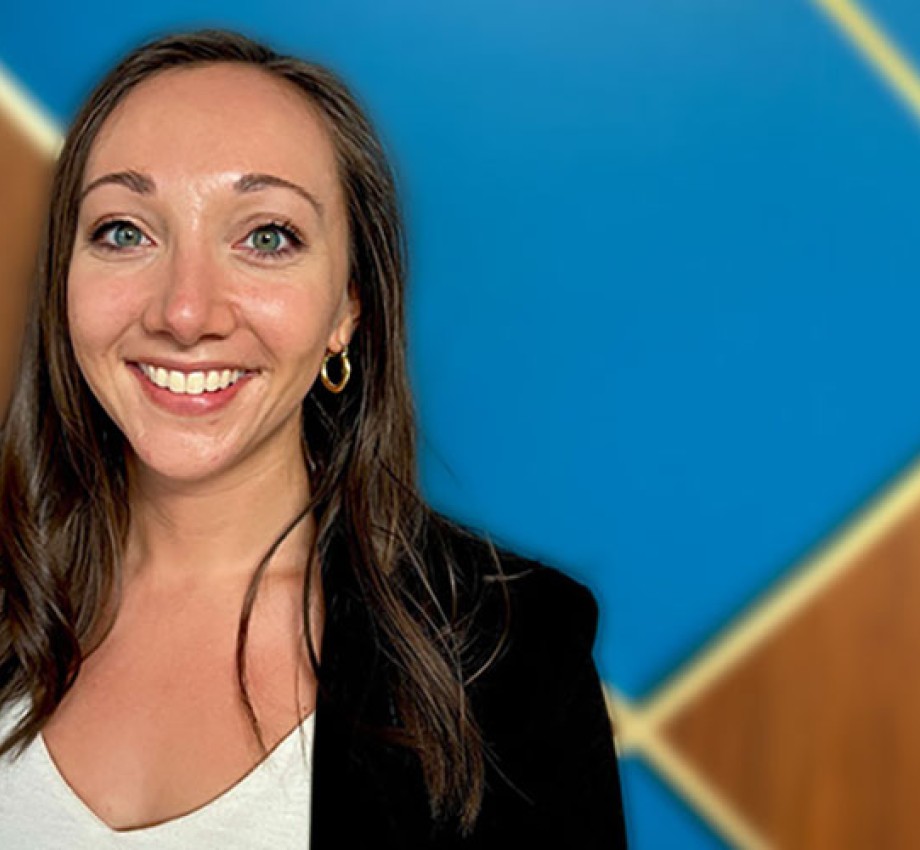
{"points": [[541, 604], [539, 705]]}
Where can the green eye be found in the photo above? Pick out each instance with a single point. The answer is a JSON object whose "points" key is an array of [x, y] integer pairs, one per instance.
{"points": [[266, 239], [274, 241], [126, 236]]}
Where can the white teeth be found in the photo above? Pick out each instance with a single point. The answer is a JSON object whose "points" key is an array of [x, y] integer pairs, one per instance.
{"points": [[191, 383]]}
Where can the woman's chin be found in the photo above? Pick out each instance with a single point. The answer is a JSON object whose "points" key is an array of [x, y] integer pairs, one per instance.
{"points": [[183, 464]]}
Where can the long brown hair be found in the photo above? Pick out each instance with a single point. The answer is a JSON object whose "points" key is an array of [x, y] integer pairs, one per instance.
{"points": [[63, 480]]}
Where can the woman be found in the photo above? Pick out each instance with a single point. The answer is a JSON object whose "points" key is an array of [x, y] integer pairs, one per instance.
{"points": [[227, 618]]}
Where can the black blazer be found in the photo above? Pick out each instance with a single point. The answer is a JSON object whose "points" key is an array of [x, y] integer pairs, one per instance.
{"points": [[553, 778]]}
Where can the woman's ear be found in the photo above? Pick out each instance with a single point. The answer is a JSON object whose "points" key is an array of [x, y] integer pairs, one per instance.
{"points": [[347, 323]]}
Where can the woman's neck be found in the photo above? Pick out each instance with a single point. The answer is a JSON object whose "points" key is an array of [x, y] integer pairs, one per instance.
{"points": [[220, 528]]}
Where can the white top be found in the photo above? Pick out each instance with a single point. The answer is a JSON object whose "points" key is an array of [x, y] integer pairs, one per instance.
{"points": [[268, 809]]}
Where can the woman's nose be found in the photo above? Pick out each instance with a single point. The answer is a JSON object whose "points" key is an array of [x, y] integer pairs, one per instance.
{"points": [[190, 301]]}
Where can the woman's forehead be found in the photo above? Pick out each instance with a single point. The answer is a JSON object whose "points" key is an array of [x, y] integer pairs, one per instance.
{"points": [[219, 119]]}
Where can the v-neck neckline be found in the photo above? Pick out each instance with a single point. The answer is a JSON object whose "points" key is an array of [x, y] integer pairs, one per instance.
{"points": [[209, 808]]}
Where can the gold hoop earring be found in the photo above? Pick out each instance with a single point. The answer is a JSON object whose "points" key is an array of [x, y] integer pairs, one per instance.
{"points": [[344, 365]]}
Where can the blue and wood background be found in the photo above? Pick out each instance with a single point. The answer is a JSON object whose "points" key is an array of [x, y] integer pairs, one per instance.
{"points": [[665, 299]]}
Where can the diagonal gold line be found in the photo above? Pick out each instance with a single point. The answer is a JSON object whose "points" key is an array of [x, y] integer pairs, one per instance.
{"points": [[877, 47], [722, 816], [805, 584], [26, 114], [641, 728], [635, 736]]}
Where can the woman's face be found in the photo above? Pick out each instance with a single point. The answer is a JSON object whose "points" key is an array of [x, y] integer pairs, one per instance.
{"points": [[209, 273]]}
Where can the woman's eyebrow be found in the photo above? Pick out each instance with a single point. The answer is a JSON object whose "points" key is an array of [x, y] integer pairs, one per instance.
{"points": [[143, 184], [254, 182], [133, 180]]}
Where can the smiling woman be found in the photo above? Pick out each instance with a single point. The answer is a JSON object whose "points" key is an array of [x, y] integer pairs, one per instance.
{"points": [[227, 616]]}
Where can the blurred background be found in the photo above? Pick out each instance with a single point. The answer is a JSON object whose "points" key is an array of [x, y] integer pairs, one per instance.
{"points": [[664, 306]]}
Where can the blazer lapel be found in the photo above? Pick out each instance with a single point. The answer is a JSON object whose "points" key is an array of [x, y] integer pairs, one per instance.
{"points": [[365, 791]]}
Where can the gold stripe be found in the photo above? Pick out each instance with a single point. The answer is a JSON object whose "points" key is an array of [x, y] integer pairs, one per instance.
{"points": [[640, 728], [703, 797], [635, 735], [798, 591], [26, 114], [877, 47]]}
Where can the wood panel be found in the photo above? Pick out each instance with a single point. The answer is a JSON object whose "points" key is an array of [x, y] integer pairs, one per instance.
{"points": [[24, 177], [815, 737]]}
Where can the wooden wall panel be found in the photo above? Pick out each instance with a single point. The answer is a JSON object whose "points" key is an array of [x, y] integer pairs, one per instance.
{"points": [[24, 176], [815, 736]]}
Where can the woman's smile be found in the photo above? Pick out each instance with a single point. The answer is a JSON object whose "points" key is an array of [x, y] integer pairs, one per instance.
{"points": [[191, 391]]}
